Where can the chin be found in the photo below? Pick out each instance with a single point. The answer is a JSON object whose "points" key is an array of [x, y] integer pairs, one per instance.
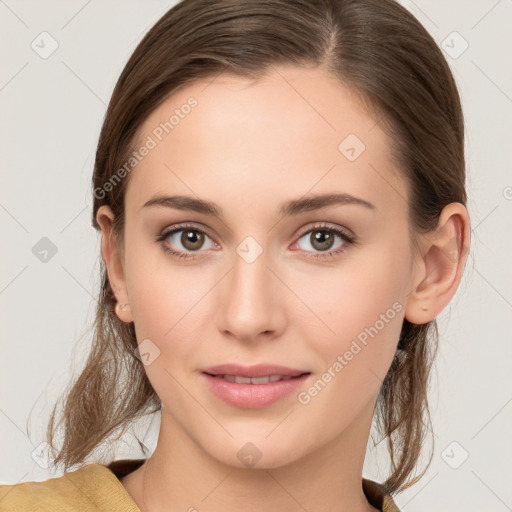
{"points": [[256, 452]]}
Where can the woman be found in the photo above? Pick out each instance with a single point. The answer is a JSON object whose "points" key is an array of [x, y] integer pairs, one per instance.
{"points": [[280, 191]]}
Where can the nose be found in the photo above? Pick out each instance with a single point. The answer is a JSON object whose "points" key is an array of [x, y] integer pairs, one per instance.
{"points": [[249, 307]]}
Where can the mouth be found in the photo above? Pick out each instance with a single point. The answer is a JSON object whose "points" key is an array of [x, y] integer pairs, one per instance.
{"points": [[253, 387], [262, 373]]}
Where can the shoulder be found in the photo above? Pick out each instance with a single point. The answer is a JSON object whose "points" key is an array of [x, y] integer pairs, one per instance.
{"points": [[92, 487]]}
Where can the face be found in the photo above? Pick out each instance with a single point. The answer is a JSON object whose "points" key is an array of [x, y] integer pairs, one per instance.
{"points": [[317, 287]]}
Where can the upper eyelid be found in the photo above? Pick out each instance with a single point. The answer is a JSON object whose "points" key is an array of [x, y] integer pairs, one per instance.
{"points": [[181, 227], [327, 227]]}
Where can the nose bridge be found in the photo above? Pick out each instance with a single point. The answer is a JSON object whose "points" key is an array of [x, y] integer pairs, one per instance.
{"points": [[248, 303]]}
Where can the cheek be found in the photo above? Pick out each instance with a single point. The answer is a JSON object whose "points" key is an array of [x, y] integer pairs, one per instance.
{"points": [[353, 295], [169, 304], [355, 357], [163, 294], [360, 307], [167, 300]]}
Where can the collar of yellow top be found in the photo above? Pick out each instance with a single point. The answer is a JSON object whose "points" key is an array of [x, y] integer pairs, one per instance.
{"points": [[374, 492], [100, 484]]}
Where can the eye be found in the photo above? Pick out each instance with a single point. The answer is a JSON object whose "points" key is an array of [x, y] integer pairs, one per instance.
{"points": [[184, 240], [326, 241], [321, 239]]}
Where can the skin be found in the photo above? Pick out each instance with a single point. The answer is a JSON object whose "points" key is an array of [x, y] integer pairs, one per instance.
{"points": [[248, 146]]}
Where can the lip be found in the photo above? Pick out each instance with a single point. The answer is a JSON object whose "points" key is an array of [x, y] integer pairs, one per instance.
{"points": [[257, 370], [253, 396]]}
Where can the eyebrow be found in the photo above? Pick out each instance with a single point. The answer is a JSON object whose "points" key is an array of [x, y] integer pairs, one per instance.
{"points": [[289, 208]]}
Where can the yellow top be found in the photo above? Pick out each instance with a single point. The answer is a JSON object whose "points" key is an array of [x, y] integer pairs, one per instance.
{"points": [[97, 487]]}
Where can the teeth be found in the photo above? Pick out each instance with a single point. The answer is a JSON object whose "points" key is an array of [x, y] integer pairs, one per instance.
{"points": [[253, 380], [242, 380]]}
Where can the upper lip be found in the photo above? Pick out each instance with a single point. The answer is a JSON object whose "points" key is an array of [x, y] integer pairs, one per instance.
{"points": [[258, 370]]}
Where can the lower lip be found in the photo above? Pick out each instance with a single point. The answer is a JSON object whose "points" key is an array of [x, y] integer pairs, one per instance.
{"points": [[253, 396]]}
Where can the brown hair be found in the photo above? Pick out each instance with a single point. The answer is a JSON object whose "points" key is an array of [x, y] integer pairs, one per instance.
{"points": [[381, 52]]}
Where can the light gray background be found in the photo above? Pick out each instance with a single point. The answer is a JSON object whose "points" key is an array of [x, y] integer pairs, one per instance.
{"points": [[51, 112]]}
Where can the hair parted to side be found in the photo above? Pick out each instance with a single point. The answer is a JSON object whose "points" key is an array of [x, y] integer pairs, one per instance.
{"points": [[374, 47]]}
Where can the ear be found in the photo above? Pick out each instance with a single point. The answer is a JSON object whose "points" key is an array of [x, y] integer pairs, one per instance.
{"points": [[442, 256], [114, 263]]}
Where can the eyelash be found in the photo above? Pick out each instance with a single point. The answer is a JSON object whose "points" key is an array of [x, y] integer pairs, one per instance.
{"points": [[347, 238]]}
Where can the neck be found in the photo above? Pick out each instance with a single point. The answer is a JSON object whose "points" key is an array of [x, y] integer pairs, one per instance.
{"points": [[327, 480]]}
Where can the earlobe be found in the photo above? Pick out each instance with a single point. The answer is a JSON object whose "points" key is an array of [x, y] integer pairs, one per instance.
{"points": [[443, 255], [123, 312], [113, 263]]}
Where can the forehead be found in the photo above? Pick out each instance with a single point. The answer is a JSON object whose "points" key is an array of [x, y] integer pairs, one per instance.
{"points": [[294, 131]]}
